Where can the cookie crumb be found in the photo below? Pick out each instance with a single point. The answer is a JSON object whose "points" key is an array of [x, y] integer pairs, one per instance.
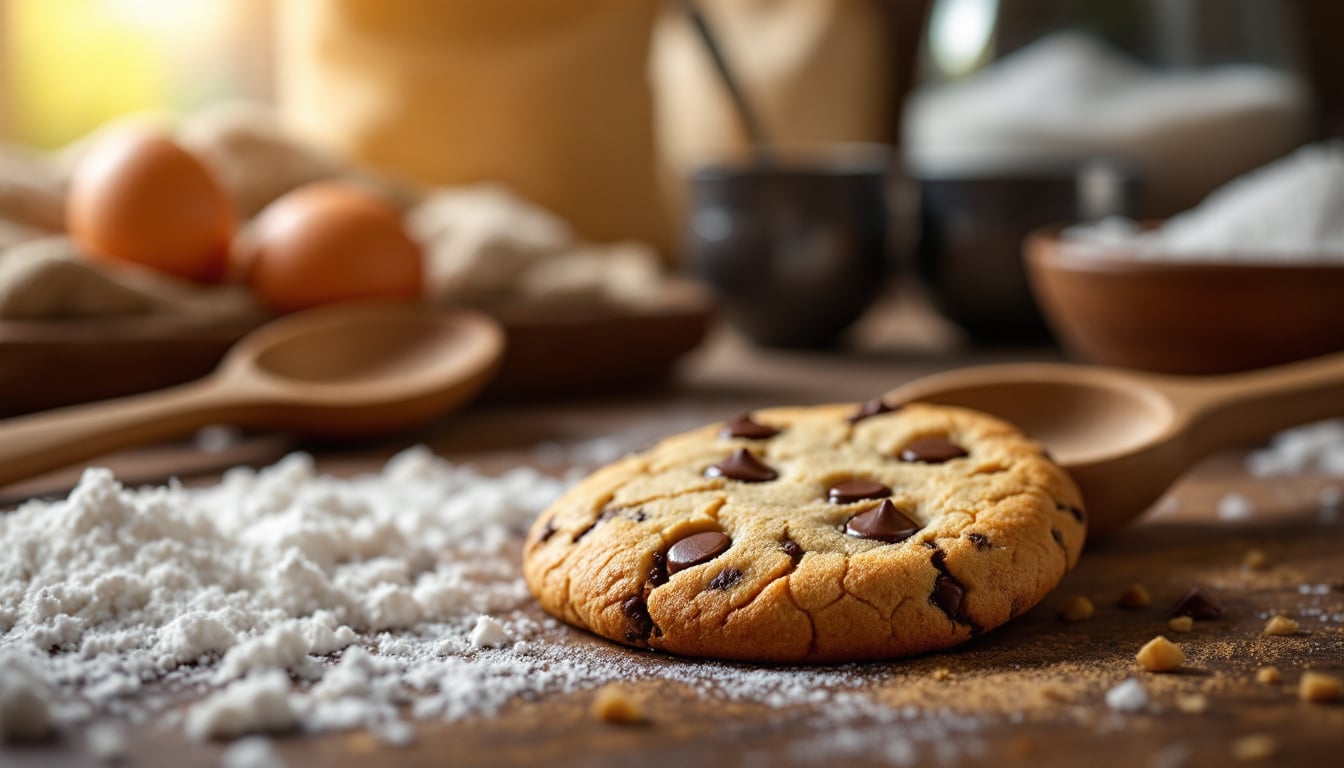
{"points": [[1280, 625], [942, 674], [1255, 747], [1181, 624], [1077, 609], [1267, 675], [1135, 596], [613, 705], [1193, 704], [1160, 655], [1318, 687], [1255, 560]]}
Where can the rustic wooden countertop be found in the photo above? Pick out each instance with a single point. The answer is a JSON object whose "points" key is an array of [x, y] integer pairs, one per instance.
{"points": [[1030, 693]]}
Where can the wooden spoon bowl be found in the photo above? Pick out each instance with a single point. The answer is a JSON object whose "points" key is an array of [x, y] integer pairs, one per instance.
{"points": [[1184, 318]]}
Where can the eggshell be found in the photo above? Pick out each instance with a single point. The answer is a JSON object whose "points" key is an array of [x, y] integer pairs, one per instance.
{"points": [[328, 242], [138, 197]]}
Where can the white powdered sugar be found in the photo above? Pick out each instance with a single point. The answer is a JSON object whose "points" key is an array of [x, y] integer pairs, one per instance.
{"points": [[1287, 211], [282, 599], [252, 752]]}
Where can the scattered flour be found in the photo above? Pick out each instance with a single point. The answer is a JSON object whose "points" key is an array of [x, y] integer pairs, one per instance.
{"points": [[1234, 507], [1129, 696], [106, 742], [1314, 447], [252, 752], [1287, 211], [285, 600], [1070, 95]]}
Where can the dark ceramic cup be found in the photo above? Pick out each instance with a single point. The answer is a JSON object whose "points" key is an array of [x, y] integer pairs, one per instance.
{"points": [[796, 248], [971, 230]]}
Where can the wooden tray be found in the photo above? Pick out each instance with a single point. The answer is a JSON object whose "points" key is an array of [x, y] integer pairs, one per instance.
{"points": [[557, 352]]}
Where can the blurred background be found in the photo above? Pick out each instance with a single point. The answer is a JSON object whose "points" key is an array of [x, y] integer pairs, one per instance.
{"points": [[878, 151]]}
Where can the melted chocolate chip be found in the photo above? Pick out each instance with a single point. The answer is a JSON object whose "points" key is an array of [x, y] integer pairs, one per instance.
{"points": [[726, 579], [658, 571], [1077, 512], [980, 540], [793, 549], [748, 429], [931, 450], [947, 595], [637, 611], [884, 523], [851, 491], [696, 549], [873, 407], [1197, 604], [742, 465]]}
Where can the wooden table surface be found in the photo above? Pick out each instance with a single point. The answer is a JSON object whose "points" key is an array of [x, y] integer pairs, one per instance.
{"points": [[1030, 693]]}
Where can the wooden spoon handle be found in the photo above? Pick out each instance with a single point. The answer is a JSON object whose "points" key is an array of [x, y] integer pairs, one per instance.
{"points": [[31, 445], [1254, 405]]}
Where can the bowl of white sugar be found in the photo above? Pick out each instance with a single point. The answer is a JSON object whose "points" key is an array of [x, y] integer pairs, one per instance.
{"points": [[1253, 276]]}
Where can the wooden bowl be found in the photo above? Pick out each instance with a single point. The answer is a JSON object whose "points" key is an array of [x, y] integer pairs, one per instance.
{"points": [[1184, 318]]}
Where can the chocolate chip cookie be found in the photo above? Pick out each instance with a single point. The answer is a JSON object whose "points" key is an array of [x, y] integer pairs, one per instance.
{"points": [[820, 534]]}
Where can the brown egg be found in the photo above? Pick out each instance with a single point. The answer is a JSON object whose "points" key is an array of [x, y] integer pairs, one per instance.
{"points": [[328, 242], [138, 197]]}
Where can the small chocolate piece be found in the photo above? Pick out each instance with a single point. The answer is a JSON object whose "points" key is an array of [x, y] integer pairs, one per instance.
{"points": [[793, 549], [872, 408], [1197, 604], [637, 611], [1077, 512], [658, 571], [884, 523], [851, 491], [726, 578], [748, 429], [948, 594], [696, 549], [742, 465], [1057, 536], [980, 540], [931, 450]]}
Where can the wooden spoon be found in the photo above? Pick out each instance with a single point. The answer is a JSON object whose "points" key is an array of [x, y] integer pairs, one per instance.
{"points": [[340, 371], [1126, 436]]}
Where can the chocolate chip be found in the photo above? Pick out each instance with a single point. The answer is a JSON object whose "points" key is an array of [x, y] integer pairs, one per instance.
{"points": [[851, 491], [1057, 536], [793, 549], [931, 450], [884, 522], [742, 465], [637, 611], [1077, 512], [547, 531], [696, 549], [980, 540], [1197, 604], [606, 515], [748, 429], [726, 578], [948, 595], [637, 515], [658, 571], [872, 408]]}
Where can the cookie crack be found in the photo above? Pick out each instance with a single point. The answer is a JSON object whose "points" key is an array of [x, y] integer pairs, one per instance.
{"points": [[811, 622]]}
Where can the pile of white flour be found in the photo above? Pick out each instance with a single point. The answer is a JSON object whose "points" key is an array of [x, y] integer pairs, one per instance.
{"points": [[1290, 211], [282, 599]]}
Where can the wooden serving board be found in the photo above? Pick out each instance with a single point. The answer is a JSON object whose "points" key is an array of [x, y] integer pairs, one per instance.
{"points": [[554, 352]]}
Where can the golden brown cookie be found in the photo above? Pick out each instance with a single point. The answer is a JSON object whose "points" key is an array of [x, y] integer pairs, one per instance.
{"points": [[818, 534]]}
